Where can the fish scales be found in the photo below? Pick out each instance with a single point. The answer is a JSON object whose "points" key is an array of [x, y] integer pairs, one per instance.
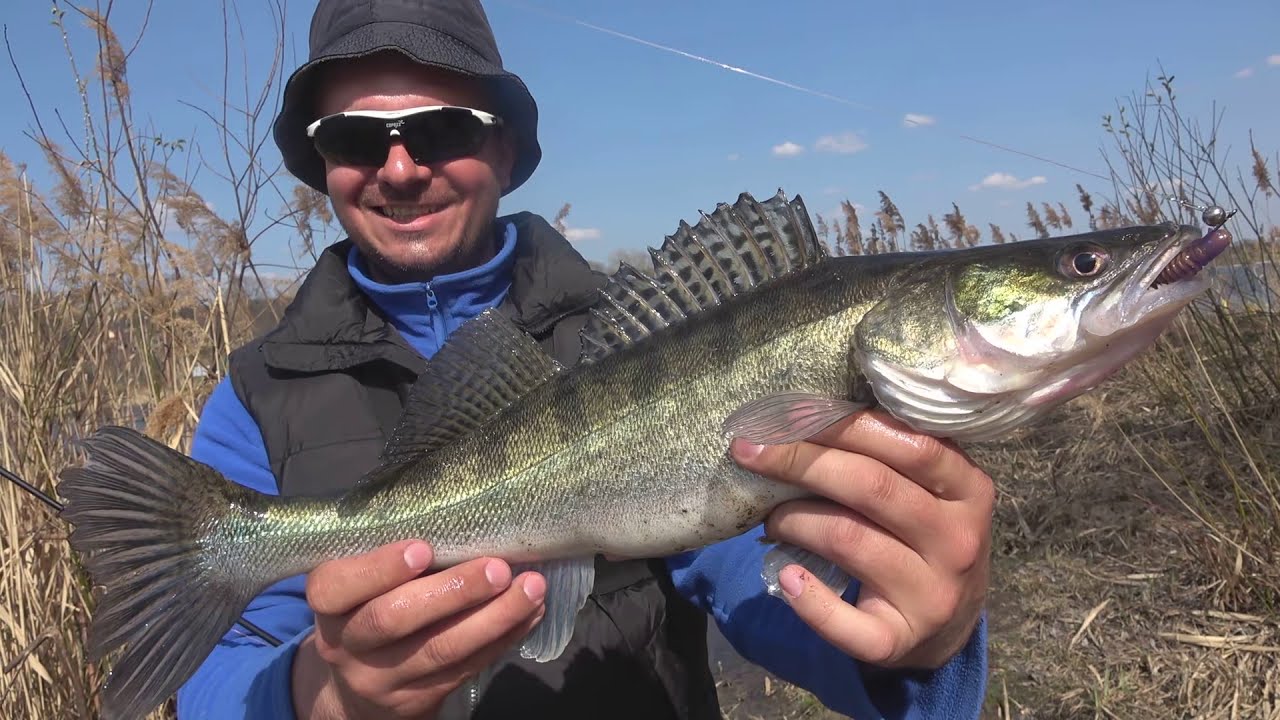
{"points": [[596, 460]]}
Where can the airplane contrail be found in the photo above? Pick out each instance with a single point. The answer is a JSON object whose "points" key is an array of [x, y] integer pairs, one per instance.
{"points": [[792, 86]]}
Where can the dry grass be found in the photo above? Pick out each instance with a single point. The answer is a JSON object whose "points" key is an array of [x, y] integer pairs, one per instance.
{"points": [[1113, 598], [1136, 548], [121, 293]]}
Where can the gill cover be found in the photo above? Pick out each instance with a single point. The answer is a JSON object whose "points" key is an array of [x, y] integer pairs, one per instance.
{"points": [[976, 343]]}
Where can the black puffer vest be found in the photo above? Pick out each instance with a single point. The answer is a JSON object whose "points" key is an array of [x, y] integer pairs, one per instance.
{"points": [[326, 387]]}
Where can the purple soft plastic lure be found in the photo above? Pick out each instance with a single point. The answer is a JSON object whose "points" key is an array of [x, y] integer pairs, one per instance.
{"points": [[1195, 257]]}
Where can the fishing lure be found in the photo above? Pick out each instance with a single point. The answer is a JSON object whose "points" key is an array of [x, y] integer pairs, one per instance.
{"points": [[1198, 254]]}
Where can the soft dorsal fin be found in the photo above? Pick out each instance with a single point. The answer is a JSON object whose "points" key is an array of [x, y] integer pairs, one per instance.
{"points": [[732, 250], [485, 366]]}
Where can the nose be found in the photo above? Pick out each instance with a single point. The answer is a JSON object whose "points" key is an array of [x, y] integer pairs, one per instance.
{"points": [[400, 169]]}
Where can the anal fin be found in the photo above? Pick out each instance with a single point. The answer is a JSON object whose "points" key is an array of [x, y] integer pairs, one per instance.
{"points": [[784, 554], [569, 582]]}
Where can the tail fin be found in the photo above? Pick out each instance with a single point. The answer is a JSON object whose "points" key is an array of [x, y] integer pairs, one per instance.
{"points": [[142, 514]]}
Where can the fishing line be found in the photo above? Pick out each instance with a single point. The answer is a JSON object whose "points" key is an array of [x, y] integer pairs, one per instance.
{"points": [[57, 507], [42, 497], [798, 88]]}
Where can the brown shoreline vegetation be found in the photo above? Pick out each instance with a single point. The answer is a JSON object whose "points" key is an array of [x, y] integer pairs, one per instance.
{"points": [[1137, 549]]}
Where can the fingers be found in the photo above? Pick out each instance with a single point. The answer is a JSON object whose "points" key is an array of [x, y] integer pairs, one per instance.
{"points": [[879, 631], [922, 490], [858, 482], [454, 676], [936, 465], [338, 586], [857, 545], [923, 594], [878, 639], [463, 642], [419, 670], [905, 513], [394, 643], [417, 604]]}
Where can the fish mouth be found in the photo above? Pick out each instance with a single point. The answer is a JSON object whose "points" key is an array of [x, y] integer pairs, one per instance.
{"points": [[1129, 319], [1163, 283]]}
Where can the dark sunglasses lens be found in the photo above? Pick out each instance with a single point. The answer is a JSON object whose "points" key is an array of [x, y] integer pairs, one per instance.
{"points": [[350, 140], [442, 135]]}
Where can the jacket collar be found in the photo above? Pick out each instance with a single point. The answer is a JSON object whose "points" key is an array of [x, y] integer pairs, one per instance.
{"points": [[332, 325]]}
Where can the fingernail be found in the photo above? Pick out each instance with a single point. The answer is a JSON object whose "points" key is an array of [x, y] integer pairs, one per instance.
{"points": [[744, 450], [497, 573], [417, 556], [535, 588], [792, 581]]}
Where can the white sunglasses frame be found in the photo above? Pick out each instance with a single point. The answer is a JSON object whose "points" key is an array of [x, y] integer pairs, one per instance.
{"points": [[393, 116]]}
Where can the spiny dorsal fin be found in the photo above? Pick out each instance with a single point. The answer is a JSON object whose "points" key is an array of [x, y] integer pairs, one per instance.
{"points": [[734, 249], [483, 368]]}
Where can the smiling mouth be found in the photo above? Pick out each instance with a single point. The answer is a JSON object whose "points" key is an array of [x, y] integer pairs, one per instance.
{"points": [[407, 213]]}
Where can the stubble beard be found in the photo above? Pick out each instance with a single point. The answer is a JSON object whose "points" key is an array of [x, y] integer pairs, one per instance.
{"points": [[419, 265]]}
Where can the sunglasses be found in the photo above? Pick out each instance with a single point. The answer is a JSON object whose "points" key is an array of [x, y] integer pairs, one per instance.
{"points": [[429, 134]]}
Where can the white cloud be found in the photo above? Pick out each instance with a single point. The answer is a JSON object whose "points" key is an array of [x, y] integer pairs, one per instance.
{"points": [[918, 120], [734, 156], [787, 149], [1008, 182], [1273, 59], [844, 143], [832, 190], [1244, 73], [580, 234]]}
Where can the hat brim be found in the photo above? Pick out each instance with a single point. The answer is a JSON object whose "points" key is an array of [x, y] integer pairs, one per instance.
{"points": [[512, 100]]}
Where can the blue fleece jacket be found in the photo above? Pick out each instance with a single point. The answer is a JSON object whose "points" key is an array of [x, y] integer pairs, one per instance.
{"points": [[246, 678]]}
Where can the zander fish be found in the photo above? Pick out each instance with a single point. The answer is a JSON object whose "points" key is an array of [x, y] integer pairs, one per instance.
{"points": [[742, 327]]}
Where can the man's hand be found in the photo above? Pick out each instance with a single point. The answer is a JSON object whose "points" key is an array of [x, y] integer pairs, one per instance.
{"points": [[391, 644], [909, 517]]}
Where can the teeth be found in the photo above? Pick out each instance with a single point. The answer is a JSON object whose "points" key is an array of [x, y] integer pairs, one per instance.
{"points": [[406, 213], [1162, 261]]}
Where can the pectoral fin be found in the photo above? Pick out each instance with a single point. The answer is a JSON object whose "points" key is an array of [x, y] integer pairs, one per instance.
{"points": [[569, 582], [788, 417], [785, 554]]}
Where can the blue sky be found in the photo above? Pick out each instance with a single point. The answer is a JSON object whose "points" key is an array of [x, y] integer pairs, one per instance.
{"points": [[637, 138]]}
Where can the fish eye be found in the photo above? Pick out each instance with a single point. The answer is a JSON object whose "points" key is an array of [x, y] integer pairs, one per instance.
{"points": [[1084, 262]]}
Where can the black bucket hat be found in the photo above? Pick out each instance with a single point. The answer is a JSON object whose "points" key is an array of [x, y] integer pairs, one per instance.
{"points": [[452, 35]]}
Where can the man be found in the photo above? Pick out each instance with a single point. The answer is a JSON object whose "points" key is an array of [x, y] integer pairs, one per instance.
{"points": [[307, 408]]}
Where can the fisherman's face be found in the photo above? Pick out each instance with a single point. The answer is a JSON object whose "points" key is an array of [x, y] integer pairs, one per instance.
{"points": [[410, 221]]}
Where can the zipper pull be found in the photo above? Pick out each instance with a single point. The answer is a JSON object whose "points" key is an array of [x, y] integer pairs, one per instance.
{"points": [[432, 303]]}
